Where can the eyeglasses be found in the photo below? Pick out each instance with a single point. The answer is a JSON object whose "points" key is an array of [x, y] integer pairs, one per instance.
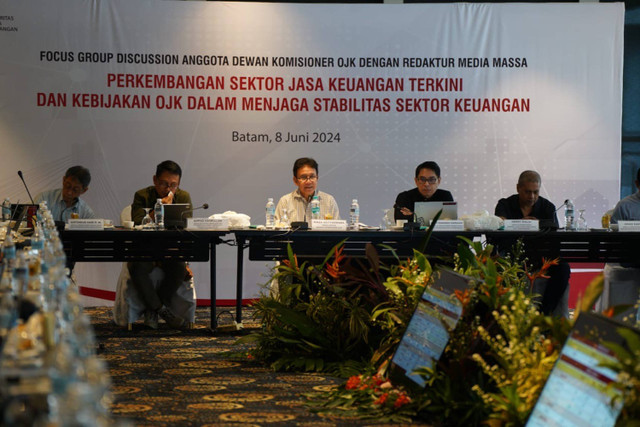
{"points": [[431, 180], [307, 178], [167, 185], [68, 186]]}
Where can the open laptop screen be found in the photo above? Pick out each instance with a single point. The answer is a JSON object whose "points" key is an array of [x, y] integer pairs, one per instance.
{"points": [[427, 333], [426, 211], [576, 392], [175, 215]]}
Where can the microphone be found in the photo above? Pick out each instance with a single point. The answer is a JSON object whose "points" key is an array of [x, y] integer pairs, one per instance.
{"points": [[203, 206], [26, 188], [564, 204]]}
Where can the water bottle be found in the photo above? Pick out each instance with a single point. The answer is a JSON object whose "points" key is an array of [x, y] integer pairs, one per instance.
{"points": [[354, 215], [20, 274], [270, 214], [6, 210], [569, 223], [315, 208], [9, 249], [158, 210], [37, 241]]}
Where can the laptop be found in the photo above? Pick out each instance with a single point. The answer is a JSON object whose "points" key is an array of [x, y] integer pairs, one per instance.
{"points": [[176, 214], [426, 211], [427, 333], [577, 392], [23, 212]]}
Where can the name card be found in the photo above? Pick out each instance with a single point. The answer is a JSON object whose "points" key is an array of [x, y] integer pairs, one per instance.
{"points": [[449, 225], [329, 224], [628, 225], [85, 224], [521, 225], [207, 223]]}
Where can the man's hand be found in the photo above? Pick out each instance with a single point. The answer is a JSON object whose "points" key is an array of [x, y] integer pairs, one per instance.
{"points": [[168, 199], [405, 211]]}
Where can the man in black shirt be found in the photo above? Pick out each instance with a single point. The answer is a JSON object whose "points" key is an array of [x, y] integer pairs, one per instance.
{"points": [[528, 204], [427, 181]]}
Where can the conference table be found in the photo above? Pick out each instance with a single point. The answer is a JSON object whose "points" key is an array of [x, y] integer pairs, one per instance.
{"points": [[271, 245], [121, 245], [597, 246]]}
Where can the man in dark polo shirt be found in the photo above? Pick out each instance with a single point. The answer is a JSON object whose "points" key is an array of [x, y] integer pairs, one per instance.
{"points": [[528, 204], [165, 186], [427, 180]]}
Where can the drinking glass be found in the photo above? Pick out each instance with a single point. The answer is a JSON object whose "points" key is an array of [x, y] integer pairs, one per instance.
{"points": [[285, 219], [582, 222], [387, 219], [147, 222]]}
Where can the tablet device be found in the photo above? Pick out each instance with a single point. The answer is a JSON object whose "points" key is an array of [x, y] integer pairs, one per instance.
{"points": [[577, 392], [427, 333], [176, 214], [426, 211]]}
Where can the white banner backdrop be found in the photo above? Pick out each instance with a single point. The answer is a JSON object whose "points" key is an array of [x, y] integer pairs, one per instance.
{"points": [[235, 92]]}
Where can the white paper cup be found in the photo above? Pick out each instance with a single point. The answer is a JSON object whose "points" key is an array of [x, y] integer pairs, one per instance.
{"points": [[127, 224], [401, 222]]}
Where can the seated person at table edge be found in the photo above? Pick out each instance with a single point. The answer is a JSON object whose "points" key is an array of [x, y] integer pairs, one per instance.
{"points": [[165, 186], [628, 209], [427, 180], [297, 203], [65, 201], [527, 204]]}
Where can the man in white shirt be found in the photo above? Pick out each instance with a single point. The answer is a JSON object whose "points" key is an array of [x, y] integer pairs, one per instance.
{"points": [[297, 204]]}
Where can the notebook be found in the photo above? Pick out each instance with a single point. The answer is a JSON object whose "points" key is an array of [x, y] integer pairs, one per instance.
{"points": [[426, 336], [426, 211], [176, 214], [576, 392]]}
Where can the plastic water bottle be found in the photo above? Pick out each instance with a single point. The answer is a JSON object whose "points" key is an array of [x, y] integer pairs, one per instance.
{"points": [[270, 214], [20, 274], [158, 210], [354, 215], [6, 210], [569, 223], [9, 249], [37, 241], [315, 208]]}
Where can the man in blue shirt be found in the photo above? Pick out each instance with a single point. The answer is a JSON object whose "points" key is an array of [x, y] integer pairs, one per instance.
{"points": [[628, 209], [65, 201]]}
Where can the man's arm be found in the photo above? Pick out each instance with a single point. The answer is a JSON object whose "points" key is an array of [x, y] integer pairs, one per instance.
{"points": [[333, 208], [403, 203], [502, 209], [280, 207], [447, 196], [137, 207]]}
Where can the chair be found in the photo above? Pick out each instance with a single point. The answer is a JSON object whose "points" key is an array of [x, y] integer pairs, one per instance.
{"points": [[128, 307], [621, 286]]}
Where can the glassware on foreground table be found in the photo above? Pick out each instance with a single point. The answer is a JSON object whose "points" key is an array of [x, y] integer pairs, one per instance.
{"points": [[606, 220], [581, 224], [387, 220], [284, 221], [147, 222]]}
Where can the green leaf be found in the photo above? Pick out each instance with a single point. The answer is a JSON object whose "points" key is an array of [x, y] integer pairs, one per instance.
{"points": [[591, 294], [632, 339], [427, 236]]}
